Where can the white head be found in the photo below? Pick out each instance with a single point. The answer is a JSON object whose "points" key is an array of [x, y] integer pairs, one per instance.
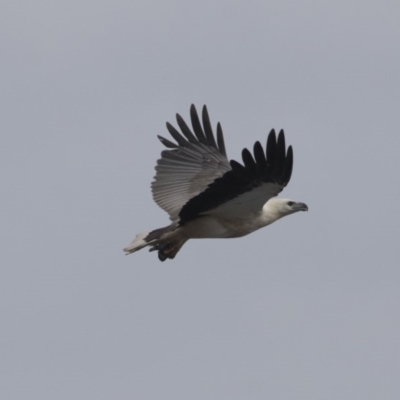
{"points": [[276, 208]]}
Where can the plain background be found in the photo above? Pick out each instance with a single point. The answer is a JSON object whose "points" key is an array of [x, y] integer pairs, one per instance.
{"points": [[307, 308]]}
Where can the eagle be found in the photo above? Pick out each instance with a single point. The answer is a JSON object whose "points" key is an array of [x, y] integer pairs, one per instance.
{"points": [[208, 196]]}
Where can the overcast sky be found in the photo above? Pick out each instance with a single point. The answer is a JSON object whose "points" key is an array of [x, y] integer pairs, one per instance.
{"points": [[308, 308]]}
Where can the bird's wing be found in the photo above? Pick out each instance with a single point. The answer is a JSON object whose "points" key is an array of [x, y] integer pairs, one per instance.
{"points": [[244, 189], [190, 166]]}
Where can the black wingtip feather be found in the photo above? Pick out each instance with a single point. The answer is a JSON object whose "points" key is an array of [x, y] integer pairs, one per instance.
{"points": [[220, 140], [248, 160], [259, 154], [198, 130], [287, 170], [208, 128], [176, 135], [280, 155], [271, 148], [185, 129], [167, 143], [281, 141]]}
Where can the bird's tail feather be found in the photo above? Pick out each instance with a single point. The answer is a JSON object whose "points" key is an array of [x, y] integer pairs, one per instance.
{"points": [[158, 240], [137, 243]]}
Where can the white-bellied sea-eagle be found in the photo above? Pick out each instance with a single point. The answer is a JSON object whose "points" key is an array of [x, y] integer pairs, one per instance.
{"points": [[208, 196]]}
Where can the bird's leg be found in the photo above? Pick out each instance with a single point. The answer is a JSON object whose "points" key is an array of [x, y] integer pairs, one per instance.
{"points": [[167, 250]]}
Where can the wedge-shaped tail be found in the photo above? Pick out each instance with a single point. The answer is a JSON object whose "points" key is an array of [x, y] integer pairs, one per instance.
{"points": [[167, 241]]}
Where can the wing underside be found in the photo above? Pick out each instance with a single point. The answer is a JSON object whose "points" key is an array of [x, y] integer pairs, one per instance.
{"points": [[187, 168]]}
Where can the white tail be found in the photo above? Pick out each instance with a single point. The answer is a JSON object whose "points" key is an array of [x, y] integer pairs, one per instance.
{"points": [[164, 240], [137, 243]]}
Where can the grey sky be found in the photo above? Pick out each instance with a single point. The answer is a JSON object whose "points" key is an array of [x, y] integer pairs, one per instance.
{"points": [[307, 308]]}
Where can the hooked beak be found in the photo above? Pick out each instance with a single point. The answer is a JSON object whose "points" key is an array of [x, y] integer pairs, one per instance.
{"points": [[301, 207]]}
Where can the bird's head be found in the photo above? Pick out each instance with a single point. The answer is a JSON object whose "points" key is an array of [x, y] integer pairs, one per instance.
{"points": [[279, 208]]}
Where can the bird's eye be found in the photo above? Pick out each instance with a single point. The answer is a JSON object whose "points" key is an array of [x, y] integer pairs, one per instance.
{"points": [[290, 203]]}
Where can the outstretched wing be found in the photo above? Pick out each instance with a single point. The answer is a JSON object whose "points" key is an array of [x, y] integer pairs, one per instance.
{"points": [[244, 189], [191, 165], [194, 176]]}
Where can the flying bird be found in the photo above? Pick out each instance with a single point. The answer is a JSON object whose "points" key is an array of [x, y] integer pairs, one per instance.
{"points": [[208, 196]]}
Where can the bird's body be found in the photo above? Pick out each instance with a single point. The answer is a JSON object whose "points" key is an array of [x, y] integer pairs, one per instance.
{"points": [[207, 196]]}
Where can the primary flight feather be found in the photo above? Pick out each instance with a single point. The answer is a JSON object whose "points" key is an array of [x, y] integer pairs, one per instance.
{"points": [[207, 196]]}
